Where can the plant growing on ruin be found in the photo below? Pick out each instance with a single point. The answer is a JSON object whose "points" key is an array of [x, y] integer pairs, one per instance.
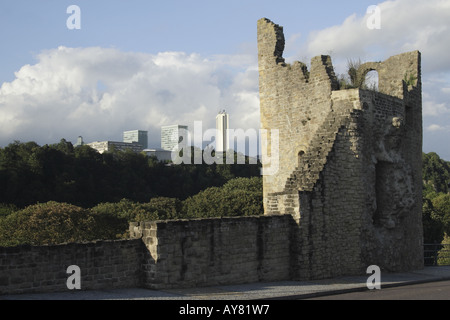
{"points": [[357, 80], [409, 79], [353, 79]]}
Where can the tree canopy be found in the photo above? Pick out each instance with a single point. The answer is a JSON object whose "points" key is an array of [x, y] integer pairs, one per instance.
{"points": [[30, 173], [436, 198], [60, 193]]}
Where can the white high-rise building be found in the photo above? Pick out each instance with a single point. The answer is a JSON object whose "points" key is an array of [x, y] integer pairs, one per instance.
{"points": [[171, 136], [222, 143]]}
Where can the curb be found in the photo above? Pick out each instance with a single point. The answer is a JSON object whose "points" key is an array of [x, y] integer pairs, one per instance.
{"points": [[356, 289]]}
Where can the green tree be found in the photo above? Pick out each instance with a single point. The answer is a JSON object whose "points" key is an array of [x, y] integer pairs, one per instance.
{"points": [[435, 173], [441, 205], [433, 227]]}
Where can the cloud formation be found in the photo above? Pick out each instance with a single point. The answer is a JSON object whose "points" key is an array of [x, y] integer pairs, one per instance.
{"points": [[100, 92], [406, 25]]}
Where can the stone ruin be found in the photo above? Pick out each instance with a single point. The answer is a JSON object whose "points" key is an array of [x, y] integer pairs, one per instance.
{"points": [[350, 160], [347, 194]]}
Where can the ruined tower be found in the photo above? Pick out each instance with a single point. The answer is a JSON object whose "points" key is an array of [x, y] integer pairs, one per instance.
{"points": [[349, 161]]}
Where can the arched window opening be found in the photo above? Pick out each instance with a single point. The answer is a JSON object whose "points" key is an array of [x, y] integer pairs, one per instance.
{"points": [[371, 80]]}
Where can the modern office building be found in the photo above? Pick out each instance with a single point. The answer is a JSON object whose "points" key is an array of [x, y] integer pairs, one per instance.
{"points": [[138, 136], [160, 154], [222, 142], [172, 135], [80, 142], [103, 146]]}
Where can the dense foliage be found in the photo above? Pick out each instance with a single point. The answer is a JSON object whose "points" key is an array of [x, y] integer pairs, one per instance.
{"points": [[58, 193], [81, 176], [436, 198], [54, 222], [238, 197], [50, 223]]}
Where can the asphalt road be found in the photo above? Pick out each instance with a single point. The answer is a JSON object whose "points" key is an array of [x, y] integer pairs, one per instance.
{"points": [[438, 290]]}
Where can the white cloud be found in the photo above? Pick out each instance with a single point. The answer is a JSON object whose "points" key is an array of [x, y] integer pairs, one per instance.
{"points": [[430, 108], [98, 93], [436, 127], [406, 25]]}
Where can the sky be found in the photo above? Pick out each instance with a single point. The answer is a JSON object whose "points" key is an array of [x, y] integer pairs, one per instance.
{"points": [[143, 64]]}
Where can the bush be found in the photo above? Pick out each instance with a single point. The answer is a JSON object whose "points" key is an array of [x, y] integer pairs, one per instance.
{"points": [[7, 209], [238, 197], [167, 208], [159, 208], [253, 184], [54, 222], [47, 223]]}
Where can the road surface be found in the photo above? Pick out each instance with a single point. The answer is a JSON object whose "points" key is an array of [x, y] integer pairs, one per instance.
{"points": [[438, 290]]}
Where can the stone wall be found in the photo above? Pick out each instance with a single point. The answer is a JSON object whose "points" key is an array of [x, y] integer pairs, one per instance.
{"points": [[103, 265], [164, 254], [204, 252], [349, 160]]}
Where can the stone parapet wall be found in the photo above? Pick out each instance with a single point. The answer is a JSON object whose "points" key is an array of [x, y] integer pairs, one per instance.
{"points": [[103, 265], [203, 252], [164, 254]]}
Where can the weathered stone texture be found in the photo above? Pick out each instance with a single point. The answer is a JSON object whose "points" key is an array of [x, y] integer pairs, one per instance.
{"points": [[202, 252], [350, 160], [103, 264], [162, 254]]}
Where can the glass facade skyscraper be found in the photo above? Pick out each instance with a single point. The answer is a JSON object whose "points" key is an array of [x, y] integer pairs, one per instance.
{"points": [[138, 136], [171, 136]]}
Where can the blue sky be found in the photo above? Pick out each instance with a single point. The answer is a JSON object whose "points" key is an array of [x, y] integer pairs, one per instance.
{"points": [[143, 64], [201, 26]]}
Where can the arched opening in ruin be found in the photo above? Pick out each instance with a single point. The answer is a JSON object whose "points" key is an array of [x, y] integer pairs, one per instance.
{"points": [[371, 80]]}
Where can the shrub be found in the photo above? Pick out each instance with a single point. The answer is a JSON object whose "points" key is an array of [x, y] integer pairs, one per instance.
{"points": [[47, 223], [7, 209], [238, 197], [159, 208]]}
